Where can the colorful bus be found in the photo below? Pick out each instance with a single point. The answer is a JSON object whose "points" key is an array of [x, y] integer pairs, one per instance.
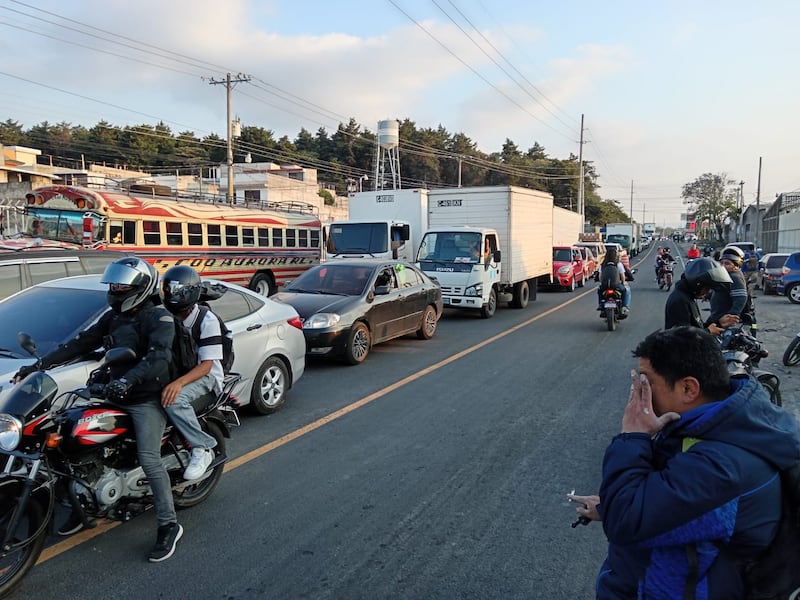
{"points": [[261, 246]]}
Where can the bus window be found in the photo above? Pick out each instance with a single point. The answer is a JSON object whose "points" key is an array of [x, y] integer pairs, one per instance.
{"points": [[263, 236], [314, 238], [302, 239], [152, 233], [115, 233], [248, 236], [195, 231], [174, 234], [231, 235], [129, 232], [277, 237], [291, 239], [214, 235]]}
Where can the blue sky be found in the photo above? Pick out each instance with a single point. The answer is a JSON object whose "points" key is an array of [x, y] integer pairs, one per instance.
{"points": [[669, 90]]}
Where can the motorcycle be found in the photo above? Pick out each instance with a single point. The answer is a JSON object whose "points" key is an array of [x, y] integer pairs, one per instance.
{"points": [[611, 307], [76, 448], [665, 276], [791, 356], [743, 352]]}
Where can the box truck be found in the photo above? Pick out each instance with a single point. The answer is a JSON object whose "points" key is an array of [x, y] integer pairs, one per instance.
{"points": [[624, 234], [380, 224], [487, 245], [567, 226]]}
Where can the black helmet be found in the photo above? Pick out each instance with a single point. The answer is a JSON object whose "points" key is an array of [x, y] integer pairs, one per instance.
{"points": [[705, 272], [131, 281], [666, 249], [180, 288], [733, 254]]}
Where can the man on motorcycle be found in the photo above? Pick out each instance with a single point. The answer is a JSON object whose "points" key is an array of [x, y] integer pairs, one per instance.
{"points": [[612, 275], [137, 321], [736, 300], [664, 259], [698, 278], [180, 290]]}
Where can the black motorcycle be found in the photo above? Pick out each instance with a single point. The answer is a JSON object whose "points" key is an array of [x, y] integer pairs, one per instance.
{"points": [[611, 307], [76, 448], [791, 356], [743, 352]]}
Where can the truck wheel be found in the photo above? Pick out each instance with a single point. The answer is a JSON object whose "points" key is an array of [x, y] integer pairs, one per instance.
{"points": [[521, 295], [487, 312]]}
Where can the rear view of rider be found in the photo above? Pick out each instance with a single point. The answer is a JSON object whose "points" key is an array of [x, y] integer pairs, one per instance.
{"points": [[181, 288], [137, 321], [612, 275]]}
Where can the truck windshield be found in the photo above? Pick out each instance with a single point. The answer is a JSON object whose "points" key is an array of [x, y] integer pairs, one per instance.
{"points": [[447, 246], [618, 238], [358, 238]]}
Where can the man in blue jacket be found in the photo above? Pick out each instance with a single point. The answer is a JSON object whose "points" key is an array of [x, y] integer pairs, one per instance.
{"points": [[694, 471]]}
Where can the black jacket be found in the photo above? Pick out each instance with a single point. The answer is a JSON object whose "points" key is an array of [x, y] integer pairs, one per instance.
{"points": [[681, 308], [149, 331]]}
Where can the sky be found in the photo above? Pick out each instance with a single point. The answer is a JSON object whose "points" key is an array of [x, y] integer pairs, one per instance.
{"points": [[668, 90]]}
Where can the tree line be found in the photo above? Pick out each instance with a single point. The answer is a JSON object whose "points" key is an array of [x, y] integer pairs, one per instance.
{"points": [[429, 157]]}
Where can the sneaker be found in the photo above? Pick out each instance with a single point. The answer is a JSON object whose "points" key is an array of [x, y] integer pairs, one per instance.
{"points": [[626, 311], [73, 524], [167, 539], [201, 458]]}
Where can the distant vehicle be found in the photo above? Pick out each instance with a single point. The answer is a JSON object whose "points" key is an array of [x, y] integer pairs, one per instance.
{"points": [[770, 269], [591, 268], [348, 306], [598, 248], [268, 341], [789, 283], [568, 268]]}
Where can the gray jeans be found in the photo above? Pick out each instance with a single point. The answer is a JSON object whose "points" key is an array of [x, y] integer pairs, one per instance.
{"points": [[149, 420], [182, 414]]}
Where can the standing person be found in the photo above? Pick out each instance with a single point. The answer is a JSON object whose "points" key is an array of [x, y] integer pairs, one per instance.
{"points": [[691, 485], [612, 275], [734, 300], [137, 321], [699, 277], [180, 288]]}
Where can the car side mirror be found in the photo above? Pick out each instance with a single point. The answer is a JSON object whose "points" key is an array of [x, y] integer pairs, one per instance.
{"points": [[381, 290]]}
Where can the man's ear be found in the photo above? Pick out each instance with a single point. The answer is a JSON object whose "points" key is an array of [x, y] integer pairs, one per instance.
{"points": [[690, 390]]}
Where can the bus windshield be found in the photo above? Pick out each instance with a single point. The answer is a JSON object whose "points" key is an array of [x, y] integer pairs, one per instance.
{"points": [[61, 225]]}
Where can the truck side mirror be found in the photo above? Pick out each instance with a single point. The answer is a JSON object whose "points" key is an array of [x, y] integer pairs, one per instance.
{"points": [[405, 232], [497, 256]]}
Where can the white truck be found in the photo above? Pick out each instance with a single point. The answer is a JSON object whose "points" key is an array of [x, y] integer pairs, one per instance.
{"points": [[567, 226], [383, 224], [487, 245], [624, 234]]}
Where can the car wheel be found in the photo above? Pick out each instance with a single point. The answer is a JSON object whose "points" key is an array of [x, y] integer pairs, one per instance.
{"points": [[793, 293], [263, 284], [487, 312], [571, 286], [582, 281], [270, 386], [358, 343], [522, 294], [428, 325]]}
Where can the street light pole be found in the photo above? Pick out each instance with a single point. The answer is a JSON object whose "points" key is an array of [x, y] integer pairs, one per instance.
{"points": [[229, 87]]}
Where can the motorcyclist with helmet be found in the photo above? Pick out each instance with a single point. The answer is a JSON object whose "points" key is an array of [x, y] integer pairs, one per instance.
{"points": [[736, 300], [181, 288], [137, 321], [663, 259], [699, 277]]}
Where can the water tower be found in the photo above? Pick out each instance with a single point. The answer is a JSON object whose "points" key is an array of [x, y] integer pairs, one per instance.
{"points": [[387, 160]]}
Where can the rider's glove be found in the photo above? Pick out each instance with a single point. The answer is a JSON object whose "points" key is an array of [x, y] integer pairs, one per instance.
{"points": [[117, 390], [27, 370]]}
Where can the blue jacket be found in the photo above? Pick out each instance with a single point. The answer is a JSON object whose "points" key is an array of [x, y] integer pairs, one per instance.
{"points": [[663, 495]]}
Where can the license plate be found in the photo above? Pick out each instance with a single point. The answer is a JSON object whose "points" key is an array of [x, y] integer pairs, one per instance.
{"points": [[611, 305]]}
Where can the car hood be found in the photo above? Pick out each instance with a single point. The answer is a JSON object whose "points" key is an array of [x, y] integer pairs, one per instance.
{"points": [[310, 304]]}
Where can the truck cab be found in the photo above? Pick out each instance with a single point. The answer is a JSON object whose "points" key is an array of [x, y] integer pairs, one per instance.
{"points": [[466, 262]]}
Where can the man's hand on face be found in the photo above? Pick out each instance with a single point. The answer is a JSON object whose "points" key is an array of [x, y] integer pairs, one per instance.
{"points": [[639, 416]]}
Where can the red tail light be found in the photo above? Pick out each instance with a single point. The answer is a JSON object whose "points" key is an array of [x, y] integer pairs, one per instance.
{"points": [[296, 322]]}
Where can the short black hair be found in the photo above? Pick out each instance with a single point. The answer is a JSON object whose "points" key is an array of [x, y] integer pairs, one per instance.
{"points": [[687, 352]]}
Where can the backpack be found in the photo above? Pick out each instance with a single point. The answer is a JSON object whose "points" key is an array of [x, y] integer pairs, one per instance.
{"points": [[184, 349], [774, 574], [227, 336], [609, 276]]}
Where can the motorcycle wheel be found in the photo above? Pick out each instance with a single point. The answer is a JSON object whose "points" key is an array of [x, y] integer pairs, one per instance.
{"points": [[611, 319], [192, 494], [28, 539], [669, 284], [791, 356]]}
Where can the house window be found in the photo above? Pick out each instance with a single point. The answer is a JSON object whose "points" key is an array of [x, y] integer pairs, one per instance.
{"points": [[214, 235], [252, 196]]}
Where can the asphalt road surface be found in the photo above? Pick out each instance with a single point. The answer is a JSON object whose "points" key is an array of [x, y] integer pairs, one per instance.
{"points": [[437, 469]]}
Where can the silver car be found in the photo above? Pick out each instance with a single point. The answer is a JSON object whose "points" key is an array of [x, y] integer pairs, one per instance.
{"points": [[268, 339]]}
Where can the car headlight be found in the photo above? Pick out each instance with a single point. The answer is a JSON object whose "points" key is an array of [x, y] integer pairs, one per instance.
{"points": [[565, 270], [321, 321], [474, 290], [10, 432]]}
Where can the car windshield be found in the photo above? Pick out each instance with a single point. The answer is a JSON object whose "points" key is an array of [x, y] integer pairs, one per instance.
{"points": [[562, 254], [50, 315], [333, 278]]}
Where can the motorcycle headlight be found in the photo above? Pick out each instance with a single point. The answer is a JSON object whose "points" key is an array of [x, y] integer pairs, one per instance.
{"points": [[321, 321], [10, 432]]}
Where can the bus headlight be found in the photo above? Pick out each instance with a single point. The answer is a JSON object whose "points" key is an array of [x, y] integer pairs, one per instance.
{"points": [[321, 321], [10, 432]]}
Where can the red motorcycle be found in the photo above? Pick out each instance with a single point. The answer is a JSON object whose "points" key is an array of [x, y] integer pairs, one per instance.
{"points": [[76, 447]]}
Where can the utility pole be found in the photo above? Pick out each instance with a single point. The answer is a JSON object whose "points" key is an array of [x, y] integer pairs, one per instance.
{"points": [[758, 206], [580, 175], [229, 82], [631, 200]]}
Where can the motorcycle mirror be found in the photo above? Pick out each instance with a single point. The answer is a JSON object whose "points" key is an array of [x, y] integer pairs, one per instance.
{"points": [[119, 355], [26, 342]]}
